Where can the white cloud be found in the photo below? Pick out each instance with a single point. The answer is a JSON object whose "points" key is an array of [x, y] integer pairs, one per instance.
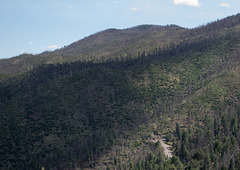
{"points": [[187, 2], [69, 6], [115, 2], [30, 42], [134, 9], [53, 47], [225, 5]]}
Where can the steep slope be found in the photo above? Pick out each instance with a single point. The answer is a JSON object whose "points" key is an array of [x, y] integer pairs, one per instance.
{"points": [[73, 114]]}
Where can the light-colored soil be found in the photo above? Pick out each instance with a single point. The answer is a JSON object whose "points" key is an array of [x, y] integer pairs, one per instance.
{"points": [[167, 149]]}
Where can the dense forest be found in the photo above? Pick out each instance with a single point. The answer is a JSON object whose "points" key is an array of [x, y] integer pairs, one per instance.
{"points": [[88, 107]]}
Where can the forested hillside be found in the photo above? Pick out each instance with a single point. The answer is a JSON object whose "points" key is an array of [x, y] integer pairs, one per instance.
{"points": [[102, 46], [88, 107]]}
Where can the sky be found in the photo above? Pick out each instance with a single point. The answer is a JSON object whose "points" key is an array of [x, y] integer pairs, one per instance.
{"points": [[35, 26]]}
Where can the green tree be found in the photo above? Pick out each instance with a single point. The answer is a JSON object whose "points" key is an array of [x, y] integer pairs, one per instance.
{"points": [[238, 162], [224, 167], [207, 162], [232, 165], [178, 131], [177, 162], [184, 151]]}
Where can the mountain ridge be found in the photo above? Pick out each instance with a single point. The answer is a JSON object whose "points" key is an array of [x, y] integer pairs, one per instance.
{"points": [[83, 50], [104, 115], [114, 43]]}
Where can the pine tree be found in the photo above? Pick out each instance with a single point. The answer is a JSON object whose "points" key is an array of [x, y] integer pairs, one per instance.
{"points": [[178, 131], [232, 165]]}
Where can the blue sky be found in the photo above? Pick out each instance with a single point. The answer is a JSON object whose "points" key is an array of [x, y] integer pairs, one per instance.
{"points": [[34, 26]]}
